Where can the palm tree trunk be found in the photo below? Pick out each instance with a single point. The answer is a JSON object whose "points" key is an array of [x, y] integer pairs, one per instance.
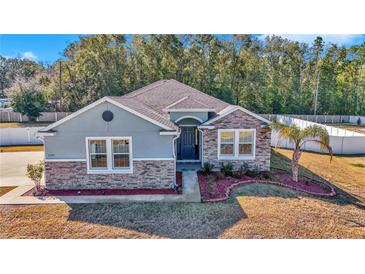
{"points": [[295, 164]]}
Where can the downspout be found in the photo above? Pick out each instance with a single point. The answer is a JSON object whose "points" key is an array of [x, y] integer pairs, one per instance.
{"points": [[174, 185], [201, 149]]}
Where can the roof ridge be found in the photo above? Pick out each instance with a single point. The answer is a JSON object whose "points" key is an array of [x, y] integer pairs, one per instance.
{"points": [[145, 88], [147, 107], [201, 92], [177, 102]]}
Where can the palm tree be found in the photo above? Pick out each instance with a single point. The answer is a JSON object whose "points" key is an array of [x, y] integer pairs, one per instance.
{"points": [[299, 137]]}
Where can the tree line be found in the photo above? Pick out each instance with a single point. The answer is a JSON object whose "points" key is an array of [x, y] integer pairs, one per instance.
{"points": [[271, 76]]}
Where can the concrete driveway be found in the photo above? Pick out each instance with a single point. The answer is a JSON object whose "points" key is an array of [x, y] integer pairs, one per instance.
{"points": [[13, 166]]}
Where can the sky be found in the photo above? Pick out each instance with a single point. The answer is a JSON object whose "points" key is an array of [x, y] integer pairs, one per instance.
{"points": [[47, 48]]}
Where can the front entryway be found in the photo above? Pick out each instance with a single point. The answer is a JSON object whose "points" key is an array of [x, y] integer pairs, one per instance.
{"points": [[188, 166], [188, 145]]}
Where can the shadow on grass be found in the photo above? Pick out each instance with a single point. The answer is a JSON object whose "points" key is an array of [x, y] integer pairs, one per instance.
{"points": [[171, 220], [190, 220], [342, 198]]}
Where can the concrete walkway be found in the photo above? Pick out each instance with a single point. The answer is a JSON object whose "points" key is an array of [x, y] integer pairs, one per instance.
{"points": [[191, 194]]}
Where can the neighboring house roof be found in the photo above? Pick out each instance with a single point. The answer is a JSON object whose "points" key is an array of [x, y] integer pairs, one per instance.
{"points": [[154, 101]]}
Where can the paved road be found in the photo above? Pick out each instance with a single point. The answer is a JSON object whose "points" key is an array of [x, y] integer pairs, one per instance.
{"points": [[13, 167]]}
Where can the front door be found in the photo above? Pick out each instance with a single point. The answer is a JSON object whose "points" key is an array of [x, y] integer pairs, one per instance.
{"points": [[187, 143]]}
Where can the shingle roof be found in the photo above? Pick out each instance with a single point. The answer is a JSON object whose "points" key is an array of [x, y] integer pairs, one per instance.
{"points": [[150, 103], [153, 99], [188, 103], [143, 109], [161, 94]]}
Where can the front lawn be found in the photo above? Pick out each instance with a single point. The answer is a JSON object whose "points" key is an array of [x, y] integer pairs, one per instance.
{"points": [[345, 172], [252, 211]]}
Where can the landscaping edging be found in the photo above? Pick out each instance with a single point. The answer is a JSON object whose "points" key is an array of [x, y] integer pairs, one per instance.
{"points": [[260, 181]]}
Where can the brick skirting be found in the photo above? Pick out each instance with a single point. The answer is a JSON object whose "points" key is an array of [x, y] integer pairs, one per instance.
{"points": [[238, 120], [73, 175]]}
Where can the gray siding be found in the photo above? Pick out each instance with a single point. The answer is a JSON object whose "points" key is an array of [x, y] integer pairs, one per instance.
{"points": [[200, 115], [69, 142]]}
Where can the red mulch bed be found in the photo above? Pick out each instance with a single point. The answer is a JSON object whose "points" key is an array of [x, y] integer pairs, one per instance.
{"points": [[215, 187], [103, 192]]}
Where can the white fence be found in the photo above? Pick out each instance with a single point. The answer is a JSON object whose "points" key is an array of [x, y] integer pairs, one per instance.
{"points": [[354, 119], [324, 119], [19, 136], [17, 117], [342, 141]]}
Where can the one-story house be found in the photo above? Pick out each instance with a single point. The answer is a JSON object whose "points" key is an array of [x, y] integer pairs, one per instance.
{"points": [[136, 140]]}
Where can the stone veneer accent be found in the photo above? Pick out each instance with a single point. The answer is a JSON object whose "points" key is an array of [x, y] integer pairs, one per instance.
{"points": [[238, 120], [73, 175]]}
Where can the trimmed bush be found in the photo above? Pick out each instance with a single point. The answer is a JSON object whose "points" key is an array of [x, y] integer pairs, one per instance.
{"points": [[227, 169], [243, 169], [207, 168], [253, 172]]}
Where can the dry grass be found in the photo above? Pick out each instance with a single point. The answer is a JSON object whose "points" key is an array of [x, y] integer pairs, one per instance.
{"points": [[21, 148], [11, 125], [5, 189], [344, 171], [22, 125], [253, 211], [281, 213], [352, 127]]}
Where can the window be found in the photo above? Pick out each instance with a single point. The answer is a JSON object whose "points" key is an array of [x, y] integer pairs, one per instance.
{"points": [[227, 143], [120, 154], [109, 154], [236, 144], [98, 156], [245, 142]]}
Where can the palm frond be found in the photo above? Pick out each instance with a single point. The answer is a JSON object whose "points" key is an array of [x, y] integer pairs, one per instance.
{"points": [[291, 132], [323, 146], [318, 133]]}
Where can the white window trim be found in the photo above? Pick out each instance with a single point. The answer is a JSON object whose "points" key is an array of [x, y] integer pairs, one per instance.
{"points": [[109, 155], [236, 155]]}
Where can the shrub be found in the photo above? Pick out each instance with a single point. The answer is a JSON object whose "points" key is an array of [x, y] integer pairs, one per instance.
{"points": [[266, 175], [358, 121], [35, 173], [253, 172], [243, 169], [207, 168], [227, 169]]}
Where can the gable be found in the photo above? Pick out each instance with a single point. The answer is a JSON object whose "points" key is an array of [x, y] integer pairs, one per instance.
{"points": [[236, 109], [91, 122], [238, 119], [91, 107]]}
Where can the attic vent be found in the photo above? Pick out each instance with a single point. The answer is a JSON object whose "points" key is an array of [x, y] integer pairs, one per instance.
{"points": [[108, 116]]}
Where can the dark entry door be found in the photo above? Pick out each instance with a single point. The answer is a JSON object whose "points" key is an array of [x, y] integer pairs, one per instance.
{"points": [[187, 142]]}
